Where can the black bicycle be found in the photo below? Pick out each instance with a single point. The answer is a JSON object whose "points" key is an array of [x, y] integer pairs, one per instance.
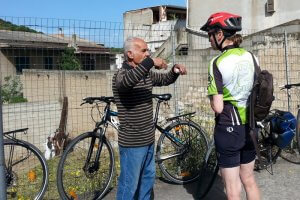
{"points": [[87, 165], [26, 169], [209, 172], [292, 152]]}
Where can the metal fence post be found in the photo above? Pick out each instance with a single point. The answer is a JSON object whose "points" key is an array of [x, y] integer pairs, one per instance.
{"points": [[2, 159], [173, 63], [287, 68]]}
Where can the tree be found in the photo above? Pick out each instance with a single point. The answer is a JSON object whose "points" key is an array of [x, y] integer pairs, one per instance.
{"points": [[68, 60], [4, 25]]}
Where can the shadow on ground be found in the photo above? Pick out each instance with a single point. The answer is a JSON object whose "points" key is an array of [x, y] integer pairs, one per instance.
{"points": [[200, 188]]}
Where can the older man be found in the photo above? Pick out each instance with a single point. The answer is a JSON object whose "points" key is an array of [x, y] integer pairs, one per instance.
{"points": [[132, 88]]}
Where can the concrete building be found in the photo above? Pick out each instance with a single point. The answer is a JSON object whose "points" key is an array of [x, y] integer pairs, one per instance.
{"points": [[25, 50], [154, 24], [257, 15]]}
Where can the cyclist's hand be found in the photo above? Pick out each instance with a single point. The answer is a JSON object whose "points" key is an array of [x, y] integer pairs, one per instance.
{"points": [[160, 63], [179, 69]]}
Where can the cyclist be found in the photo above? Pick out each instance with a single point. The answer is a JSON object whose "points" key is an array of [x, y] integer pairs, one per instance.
{"points": [[231, 76], [132, 88]]}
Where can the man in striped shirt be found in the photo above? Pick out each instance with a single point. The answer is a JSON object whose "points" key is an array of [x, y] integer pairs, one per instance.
{"points": [[132, 89]]}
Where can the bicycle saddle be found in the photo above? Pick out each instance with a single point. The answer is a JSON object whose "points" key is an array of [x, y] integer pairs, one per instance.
{"points": [[162, 97]]}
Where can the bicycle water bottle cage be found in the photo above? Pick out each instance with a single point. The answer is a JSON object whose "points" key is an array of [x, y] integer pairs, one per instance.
{"points": [[283, 127]]}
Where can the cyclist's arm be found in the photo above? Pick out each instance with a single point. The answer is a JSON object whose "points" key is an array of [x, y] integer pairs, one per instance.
{"points": [[215, 88], [127, 79], [216, 103]]}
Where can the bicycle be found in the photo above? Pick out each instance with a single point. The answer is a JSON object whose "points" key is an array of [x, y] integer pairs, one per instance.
{"points": [[26, 169], [291, 153], [209, 171], [181, 145]]}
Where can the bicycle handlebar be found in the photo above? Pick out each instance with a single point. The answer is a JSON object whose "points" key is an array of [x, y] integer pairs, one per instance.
{"points": [[289, 86], [91, 100]]}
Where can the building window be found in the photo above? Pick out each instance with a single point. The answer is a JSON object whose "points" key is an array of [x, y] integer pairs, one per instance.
{"points": [[48, 62], [88, 63], [21, 63]]}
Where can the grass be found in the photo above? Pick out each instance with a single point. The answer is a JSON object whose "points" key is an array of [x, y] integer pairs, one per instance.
{"points": [[75, 179]]}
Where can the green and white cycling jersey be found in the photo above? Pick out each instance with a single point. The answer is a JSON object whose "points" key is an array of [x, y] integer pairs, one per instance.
{"points": [[232, 74]]}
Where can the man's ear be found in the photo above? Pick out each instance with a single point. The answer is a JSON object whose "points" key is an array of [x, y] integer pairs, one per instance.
{"points": [[130, 54]]}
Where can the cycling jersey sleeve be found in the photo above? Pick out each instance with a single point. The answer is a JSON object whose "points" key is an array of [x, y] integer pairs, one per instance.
{"points": [[215, 82]]}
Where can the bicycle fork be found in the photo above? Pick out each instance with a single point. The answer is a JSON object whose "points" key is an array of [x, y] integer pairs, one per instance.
{"points": [[92, 166]]}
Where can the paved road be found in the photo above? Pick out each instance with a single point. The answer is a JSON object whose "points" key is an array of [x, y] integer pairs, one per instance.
{"points": [[283, 185]]}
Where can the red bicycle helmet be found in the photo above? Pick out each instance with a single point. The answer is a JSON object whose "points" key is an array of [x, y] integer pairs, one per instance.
{"points": [[223, 20]]}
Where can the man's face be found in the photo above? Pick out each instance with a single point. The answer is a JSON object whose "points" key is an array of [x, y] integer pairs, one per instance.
{"points": [[139, 52]]}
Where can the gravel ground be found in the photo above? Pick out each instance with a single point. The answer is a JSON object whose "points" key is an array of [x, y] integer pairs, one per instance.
{"points": [[282, 185]]}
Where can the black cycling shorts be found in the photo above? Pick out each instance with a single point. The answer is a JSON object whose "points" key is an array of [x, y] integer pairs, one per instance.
{"points": [[234, 145]]}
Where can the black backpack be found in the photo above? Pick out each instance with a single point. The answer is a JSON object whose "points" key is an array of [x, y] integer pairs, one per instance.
{"points": [[260, 100], [262, 93]]}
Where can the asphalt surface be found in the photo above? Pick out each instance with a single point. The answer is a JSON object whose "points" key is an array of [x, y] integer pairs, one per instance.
{"points": [[284, 184]]}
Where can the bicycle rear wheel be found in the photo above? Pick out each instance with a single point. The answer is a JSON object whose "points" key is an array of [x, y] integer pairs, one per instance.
{"points": [[79, 179], [181, 163], [208, 173], [292, 152], [27, 175]]}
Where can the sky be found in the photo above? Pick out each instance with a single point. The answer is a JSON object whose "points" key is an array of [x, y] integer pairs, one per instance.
{"points": [[96, 10]]}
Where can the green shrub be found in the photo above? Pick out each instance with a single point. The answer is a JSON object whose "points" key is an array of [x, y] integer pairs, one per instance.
{"points": [[11, 90], [68, 60]]}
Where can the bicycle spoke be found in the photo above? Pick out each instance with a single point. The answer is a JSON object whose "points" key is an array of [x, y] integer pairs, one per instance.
{"points": [[84, 180], [184, 167], [27, 176]]}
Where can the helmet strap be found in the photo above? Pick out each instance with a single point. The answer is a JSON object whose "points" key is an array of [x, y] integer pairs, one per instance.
{"points": [[219, 46]]}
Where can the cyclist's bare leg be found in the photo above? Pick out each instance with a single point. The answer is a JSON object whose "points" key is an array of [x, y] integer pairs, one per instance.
{"points": [[232, 182], [248, 180]]}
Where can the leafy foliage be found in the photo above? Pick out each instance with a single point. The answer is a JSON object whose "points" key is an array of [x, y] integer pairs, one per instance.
{"points": [[11, 90], [116, 50], [68, 60], [4, 25]]}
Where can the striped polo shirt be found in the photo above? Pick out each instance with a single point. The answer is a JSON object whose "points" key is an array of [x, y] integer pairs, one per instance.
{"points": [[132, 90]]}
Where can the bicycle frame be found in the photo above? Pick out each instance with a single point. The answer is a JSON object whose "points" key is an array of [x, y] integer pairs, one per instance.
{"points": [[108, 119]]}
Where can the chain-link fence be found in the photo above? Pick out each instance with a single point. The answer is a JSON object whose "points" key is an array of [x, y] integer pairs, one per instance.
{"points": [[48, 66]]}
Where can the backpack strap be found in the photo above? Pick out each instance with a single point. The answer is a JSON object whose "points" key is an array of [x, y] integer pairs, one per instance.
{"points": [[252, 123], [256, 67]]}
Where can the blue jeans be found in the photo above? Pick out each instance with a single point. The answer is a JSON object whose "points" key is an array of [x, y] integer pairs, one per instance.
{"points": [[137, 173]]}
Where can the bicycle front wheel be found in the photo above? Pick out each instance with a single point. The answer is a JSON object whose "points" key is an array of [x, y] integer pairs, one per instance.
{"points": [[208, 173], [181, 161], [80, 177], [26, 170]]}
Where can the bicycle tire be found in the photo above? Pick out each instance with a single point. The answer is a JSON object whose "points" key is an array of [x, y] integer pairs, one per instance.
{"points": [[208, 173], [184, 168], [298, 130], [29, 176], [74, 181]]}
